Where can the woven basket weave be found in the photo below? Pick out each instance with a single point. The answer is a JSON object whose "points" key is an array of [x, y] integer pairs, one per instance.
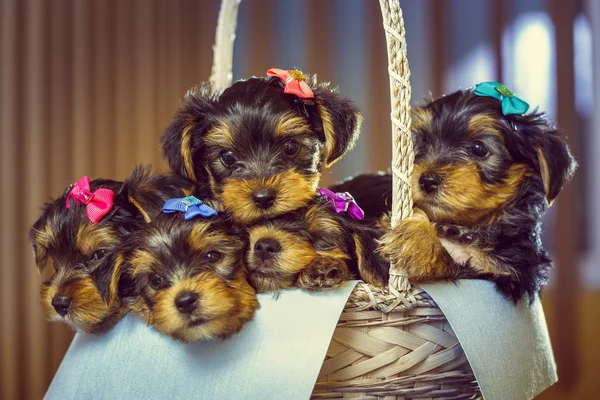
{"points": [[395, 344]]}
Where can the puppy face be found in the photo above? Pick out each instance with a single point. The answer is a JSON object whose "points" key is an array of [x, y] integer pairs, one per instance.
{"points": [[278, 252], [76, 291], [471, 161], [187, 278], [261, 149]]}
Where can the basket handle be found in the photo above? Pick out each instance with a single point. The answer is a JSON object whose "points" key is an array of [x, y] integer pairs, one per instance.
{"points": [[402, 146], [221, 74], [399, 72]]}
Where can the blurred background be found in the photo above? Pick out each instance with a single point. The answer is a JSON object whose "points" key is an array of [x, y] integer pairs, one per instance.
{"points": [[87, 86]]}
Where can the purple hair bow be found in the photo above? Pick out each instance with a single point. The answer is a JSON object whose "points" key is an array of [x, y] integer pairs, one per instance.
{"points": [[342, 202]]}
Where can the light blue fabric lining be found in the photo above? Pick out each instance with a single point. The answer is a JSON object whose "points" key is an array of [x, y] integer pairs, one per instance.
{"points": [[508, 347], [276, 356]]}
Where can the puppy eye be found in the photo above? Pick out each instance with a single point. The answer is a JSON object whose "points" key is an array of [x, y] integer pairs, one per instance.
{"points": [[213, 256], [227, 158], [156, 281], [291, 148], [99, 255], [478, 149]]}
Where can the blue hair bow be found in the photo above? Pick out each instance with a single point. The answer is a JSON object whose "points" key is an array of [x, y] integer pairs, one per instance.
{"points": [[511, 104], [191, 206]]}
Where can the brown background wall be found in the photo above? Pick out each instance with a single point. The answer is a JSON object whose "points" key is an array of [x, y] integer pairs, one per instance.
{"points": [[86, 86]]}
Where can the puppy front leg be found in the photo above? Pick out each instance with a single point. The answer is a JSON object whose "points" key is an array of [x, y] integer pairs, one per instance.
{"points": [[328, 270], [414, 248]]}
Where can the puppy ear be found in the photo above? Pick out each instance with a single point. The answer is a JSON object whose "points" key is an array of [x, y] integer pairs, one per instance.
{"points": [[40, 254], [341, 122], [110, 274], [182, 141], [556, 164], [148, 192]]}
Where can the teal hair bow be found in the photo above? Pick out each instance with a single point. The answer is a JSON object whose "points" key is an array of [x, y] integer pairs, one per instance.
{"points": [[511, 104], [191, 206]]}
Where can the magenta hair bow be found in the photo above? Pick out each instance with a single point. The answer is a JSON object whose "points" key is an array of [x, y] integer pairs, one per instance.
{"points": [[342, 202], [294, 82], [97, 203]]}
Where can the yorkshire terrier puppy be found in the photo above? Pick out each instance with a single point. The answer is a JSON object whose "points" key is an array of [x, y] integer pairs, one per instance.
{"points": [[79, 229], [484, 174], [261, 143], [313, 248], [187, 278]]}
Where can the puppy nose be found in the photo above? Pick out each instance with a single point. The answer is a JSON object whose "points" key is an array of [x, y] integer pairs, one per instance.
{"points": [[61, 304], [266, 248], [186, 302], [429, 182], [264, 198]]}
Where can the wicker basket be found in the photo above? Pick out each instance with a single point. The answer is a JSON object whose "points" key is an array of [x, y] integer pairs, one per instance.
{"points": [[388, 344]]}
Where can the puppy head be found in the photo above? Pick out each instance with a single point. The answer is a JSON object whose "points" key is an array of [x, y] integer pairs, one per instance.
{"points": [[261, 149], [278, 251], [77, 290], [187, 278], [75, 246], [471, 160]]}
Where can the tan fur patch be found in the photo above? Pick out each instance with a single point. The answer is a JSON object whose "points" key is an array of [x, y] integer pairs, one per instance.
{"points": [[186, 152], [87, 309], [462, 197], [142, 261], [224, 307], [204, 240], [92, 237], [413, 247], [484, 124], [296, 252], [544, 171], [45, 237], [328, 129], [139, 208], [319, 220], [421, 120], [291, 124], [220, 135], [365, 272], [113, 288], [293, 190]]}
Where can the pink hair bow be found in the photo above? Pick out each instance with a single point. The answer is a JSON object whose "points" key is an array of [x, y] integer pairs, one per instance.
{"points": [[294, 82], [97, 203]]}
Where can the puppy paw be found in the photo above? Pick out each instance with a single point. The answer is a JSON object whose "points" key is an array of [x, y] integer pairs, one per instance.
{"points": [[415, 250], [323, 273]]}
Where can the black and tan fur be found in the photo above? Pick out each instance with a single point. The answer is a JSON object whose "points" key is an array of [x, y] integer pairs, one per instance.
{"points": [[313, 248], [481, 183], [77, 290], [261, 150], [186, 278]]}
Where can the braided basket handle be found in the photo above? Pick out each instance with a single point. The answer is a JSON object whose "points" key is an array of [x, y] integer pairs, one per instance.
{"points": [[221, 74], [402, 147]]}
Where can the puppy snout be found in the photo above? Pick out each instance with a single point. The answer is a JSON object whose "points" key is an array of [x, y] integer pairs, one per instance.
{"points": [[264, 198], [266, 248], [186, 302], [429, 182], [61, 304]]}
